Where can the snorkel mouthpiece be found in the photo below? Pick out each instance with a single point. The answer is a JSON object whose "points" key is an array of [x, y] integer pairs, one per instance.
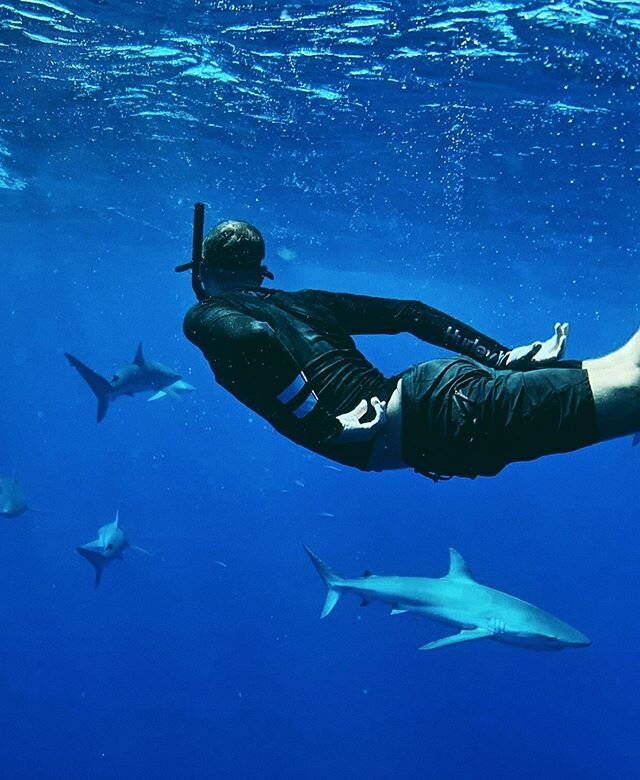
{"points": [[196, 252]]}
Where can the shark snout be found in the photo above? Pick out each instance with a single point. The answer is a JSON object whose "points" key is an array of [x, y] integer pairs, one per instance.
{"points": [[569, 638], [578, 639]]}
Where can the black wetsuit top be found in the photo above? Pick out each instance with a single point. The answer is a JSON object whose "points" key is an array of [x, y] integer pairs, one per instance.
{"points": [[290, 357]]}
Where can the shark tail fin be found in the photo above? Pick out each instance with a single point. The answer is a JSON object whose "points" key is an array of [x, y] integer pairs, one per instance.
{"points": [[330, 579], [94, 559], [100, 386]]}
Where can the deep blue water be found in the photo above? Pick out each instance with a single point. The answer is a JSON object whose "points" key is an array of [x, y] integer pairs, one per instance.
{"points": [[483, 158]]}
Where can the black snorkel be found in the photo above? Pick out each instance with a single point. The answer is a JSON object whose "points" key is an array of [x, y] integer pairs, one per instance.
{"points": [[196, 252]]}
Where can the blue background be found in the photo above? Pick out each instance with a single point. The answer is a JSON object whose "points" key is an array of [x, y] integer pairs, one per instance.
{"points": [[483, 158]]}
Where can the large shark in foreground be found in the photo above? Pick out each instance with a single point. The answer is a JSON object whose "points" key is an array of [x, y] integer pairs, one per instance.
{"points": [[138, 377], [457, 598]]}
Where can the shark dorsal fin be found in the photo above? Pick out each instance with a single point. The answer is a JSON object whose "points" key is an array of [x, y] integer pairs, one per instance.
{"points": [[139, 357], [366, 573], [458, 566], [116, 522]]}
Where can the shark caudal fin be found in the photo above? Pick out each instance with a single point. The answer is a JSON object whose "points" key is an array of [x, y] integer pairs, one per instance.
{"points": [[330, 579], [95, 559], [100, 386]]}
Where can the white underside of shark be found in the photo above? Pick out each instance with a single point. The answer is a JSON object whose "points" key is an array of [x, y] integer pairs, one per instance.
{"points": [[173, 391], [457, 598]]}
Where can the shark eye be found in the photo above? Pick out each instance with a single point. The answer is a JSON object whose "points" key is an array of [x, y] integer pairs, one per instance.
{"points": [[115, 377], [109, 547]]}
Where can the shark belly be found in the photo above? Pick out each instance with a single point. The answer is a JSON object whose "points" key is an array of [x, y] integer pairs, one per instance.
{"points": [[466, 605]]}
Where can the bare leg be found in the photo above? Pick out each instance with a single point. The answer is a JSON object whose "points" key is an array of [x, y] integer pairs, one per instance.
{"points": [[615, 384], [626, 353]]}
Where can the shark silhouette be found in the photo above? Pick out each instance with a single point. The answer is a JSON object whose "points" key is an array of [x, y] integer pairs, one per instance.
{"points": [[138, 377], [108, 547], [458, 599], [12, 500]]}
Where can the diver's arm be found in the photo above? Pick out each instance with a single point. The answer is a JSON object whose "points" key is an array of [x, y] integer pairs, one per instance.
{"points": [[361, 314]]}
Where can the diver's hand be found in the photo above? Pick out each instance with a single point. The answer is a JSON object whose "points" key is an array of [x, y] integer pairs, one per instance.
{"points": [[540, 352], [354, 430], [555, 346]]}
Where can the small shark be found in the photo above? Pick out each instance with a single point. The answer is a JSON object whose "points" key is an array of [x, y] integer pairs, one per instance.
{"points": [[12, 500], [458, 599], [138, 377], [108, 547]]}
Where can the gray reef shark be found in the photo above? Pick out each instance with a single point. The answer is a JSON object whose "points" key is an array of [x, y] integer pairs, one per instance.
{"points": [[141, 376], [108, 547], [457, 598], [12, 500]]}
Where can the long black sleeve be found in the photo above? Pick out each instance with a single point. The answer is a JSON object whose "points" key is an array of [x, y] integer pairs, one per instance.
{"points": [[362, 314]]}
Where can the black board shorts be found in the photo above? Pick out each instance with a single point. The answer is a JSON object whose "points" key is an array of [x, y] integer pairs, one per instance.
{"points": [[460, 418]]}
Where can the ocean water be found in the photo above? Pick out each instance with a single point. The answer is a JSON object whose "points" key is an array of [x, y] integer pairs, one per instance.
{"points": [[483, 157]]}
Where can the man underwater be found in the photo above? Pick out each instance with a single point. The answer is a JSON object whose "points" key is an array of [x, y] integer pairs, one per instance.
{"points": [[289, 356]]}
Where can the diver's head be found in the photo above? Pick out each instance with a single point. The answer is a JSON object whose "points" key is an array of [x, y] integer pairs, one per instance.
{"points": [[232, 255]]}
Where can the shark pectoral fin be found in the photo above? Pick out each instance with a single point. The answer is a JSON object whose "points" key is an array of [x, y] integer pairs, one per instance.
{"points": [[182, 387], [157, 396], [399, 611], [466, 635], [174, 390], [142, 550]]}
